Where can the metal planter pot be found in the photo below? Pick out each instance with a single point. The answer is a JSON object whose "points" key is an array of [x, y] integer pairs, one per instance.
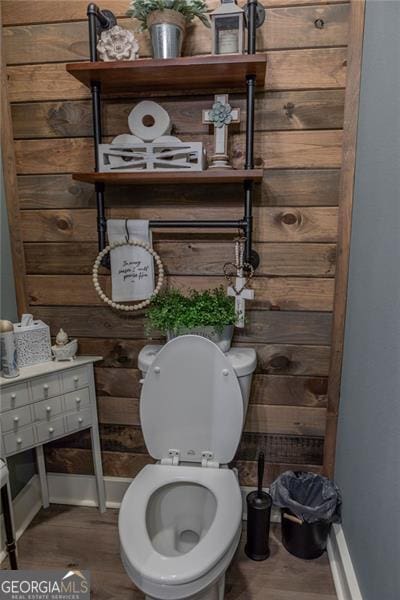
{"points": [[222, 339], [167, 30]]}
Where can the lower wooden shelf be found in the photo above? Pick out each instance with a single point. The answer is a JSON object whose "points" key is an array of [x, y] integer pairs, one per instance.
{"points": [[172, 177]]}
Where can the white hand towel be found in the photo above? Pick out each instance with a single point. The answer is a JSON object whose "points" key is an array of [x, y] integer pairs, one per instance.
{"points": [[132, 267]]}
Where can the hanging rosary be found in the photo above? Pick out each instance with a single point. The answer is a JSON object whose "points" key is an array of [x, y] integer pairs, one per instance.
{"points": [[127, 307], [238, 275]]}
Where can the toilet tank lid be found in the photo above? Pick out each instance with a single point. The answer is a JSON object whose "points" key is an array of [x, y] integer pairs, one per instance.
{"points": [[243, 360]]}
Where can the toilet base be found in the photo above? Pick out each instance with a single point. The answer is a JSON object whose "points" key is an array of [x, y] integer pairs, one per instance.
{"points": [[215, 592]]}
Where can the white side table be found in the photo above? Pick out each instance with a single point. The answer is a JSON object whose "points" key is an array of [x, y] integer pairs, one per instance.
{"points": [[46, 402]]}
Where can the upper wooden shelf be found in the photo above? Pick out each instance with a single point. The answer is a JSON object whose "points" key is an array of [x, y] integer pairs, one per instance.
{"points": [[171, 177], [188, 73]]}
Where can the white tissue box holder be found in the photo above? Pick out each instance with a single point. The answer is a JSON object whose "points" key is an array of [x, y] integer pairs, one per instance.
{"points": [[152, 156], [33, 343]]}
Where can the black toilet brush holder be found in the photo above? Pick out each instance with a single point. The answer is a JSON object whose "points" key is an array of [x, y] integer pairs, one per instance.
{"points": [[259, 505]]}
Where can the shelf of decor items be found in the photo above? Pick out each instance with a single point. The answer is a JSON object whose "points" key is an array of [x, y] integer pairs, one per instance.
{"points": [[205, 74], [192, 73], [172, 177]]}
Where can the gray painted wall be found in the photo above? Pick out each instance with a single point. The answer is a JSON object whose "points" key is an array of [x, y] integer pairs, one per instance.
{"points": [[368, 445], [21, 466]]}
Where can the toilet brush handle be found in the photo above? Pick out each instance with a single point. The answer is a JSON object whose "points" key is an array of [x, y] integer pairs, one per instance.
{"points": [[260, 473]]}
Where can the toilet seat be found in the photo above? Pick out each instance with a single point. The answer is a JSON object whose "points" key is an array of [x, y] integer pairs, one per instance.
{"points": [[191, 404], [174, 570]]}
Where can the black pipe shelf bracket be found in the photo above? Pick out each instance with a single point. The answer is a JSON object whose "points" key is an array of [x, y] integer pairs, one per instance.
{"points": [[100, 20]]}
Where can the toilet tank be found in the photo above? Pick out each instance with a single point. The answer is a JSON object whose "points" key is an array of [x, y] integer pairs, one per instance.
{"points": [[243, 361]]}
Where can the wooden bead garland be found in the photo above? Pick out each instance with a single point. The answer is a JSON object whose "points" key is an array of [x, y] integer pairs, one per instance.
{"points": [[127, 307]]}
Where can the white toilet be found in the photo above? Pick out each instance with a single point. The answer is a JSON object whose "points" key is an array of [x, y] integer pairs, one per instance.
{"points": [[180, 519]]}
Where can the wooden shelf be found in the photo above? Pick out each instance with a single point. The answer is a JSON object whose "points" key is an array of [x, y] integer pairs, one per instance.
{"points": [[174, 75], [172, 177]]}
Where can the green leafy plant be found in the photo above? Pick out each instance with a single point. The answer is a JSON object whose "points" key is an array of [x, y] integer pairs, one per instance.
{"points": [[140, 9], [173, 311]]}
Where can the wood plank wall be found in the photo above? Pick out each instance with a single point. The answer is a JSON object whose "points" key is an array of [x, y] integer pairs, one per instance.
{"points": [[299, 121]]}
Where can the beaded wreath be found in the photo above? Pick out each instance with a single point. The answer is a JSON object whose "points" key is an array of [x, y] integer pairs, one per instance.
{"points": [[127, 307]]}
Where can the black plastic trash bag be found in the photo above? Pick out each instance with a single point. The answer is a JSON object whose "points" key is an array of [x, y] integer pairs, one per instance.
{"points": [[308, 496]]}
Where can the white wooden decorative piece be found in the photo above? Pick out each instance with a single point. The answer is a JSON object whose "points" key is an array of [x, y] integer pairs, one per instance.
{"points": [[148, 148], [238, 288], [240, 297], [47, 402], [117, 43], [221, 115]]}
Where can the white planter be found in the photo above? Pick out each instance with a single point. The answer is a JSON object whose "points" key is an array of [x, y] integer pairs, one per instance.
{"points": [[222, 339]]}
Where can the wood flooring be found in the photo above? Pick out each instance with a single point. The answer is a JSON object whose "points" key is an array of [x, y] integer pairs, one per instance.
{"points": [[80, 537]]}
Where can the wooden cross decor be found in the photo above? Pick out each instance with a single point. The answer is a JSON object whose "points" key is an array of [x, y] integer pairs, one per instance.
{"points": [[221, 115], [239, 288]]}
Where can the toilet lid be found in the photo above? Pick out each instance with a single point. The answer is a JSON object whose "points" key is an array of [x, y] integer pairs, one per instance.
{"points": [[191, 401]]}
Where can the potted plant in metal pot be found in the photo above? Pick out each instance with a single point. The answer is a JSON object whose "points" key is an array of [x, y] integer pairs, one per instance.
{"points": [[166, 20], [210, 314]]}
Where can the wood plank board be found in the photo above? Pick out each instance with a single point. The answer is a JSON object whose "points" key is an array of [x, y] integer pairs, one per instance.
{"points": [[275, 224], [289, 390], [118, 410], [280, 187], [118, 383], [310, 109], [272, 359], [285, 419], [279, 293], [302, 69], [192, 257], [275, 149], [322, 68], [270, 390], [266, 327], [293, 360], [79, 461]]}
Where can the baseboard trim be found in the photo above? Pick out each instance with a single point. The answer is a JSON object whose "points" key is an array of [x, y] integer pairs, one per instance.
{"points": [[342, 569], [25, 507], [80, 490]]}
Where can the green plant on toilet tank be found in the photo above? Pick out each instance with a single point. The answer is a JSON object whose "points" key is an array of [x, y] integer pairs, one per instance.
{"points": [[210, 313]]}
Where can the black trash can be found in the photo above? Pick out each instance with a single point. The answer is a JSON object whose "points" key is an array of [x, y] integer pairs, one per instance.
{"points": [[309, 505], [304, 540]]}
